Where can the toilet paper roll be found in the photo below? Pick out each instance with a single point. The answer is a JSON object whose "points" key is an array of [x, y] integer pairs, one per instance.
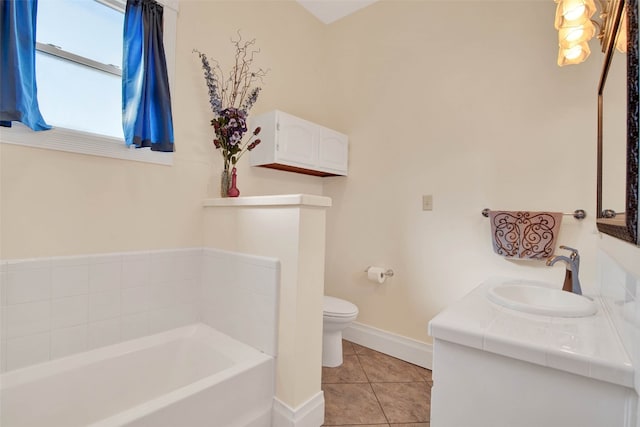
{"points": [[376, 274]]}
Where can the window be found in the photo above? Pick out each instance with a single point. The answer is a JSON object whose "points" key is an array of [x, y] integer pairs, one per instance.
{"points": [[78, 72], [78, 65]]}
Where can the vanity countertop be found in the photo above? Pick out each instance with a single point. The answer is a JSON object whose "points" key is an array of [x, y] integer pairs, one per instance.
{"points": [[587, 346]]}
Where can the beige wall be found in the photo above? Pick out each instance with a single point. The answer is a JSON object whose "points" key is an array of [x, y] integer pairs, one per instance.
{"points": [[464, 101], [57, 203], [461, 100]]}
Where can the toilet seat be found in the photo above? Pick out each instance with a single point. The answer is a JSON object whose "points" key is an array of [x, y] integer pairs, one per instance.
{"points": [[338, 308]]}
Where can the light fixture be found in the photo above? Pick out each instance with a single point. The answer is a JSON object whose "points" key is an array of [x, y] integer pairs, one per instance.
{"points": [[576, 28]]}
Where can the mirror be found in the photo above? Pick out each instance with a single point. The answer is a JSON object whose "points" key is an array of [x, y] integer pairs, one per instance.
{"points": [[617, 201]]}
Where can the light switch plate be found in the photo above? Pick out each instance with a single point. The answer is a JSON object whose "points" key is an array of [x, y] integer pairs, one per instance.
{"points": [[427, 202]]}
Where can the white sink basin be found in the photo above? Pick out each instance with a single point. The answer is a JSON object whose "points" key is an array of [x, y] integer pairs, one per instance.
{"points": [[534, 299]]}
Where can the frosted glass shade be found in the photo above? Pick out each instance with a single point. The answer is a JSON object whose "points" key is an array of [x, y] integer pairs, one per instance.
{"points": [[574, 54], [570, 36], [571, 13]]}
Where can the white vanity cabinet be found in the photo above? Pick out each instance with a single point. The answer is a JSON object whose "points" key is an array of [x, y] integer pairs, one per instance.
{"points": [[496, 367], [293, 144]]}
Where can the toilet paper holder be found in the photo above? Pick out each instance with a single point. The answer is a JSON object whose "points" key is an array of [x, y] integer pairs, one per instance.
{"points": [[388, 273]]}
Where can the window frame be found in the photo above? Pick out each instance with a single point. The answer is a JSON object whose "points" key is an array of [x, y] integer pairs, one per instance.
{"points": [[75, 141]]}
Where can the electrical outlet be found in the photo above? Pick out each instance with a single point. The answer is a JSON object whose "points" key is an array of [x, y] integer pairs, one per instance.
{"points": [[427, 202]]}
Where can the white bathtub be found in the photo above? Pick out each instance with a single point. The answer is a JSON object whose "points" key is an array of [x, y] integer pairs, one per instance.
{"points": [[186, 377]]}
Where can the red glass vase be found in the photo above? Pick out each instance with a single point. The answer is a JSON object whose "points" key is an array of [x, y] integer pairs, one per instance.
{"points": [[233, 190]]}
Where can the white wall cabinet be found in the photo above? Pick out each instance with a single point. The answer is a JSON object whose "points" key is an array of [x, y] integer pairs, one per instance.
{"points": [[297, 145]]}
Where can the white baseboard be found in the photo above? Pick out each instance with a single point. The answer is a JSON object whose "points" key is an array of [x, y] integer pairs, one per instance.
{"points": [[403, 348], [309, 414]]}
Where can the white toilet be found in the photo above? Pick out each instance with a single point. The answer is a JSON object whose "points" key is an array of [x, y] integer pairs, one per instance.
{"points": [[337, 315]]}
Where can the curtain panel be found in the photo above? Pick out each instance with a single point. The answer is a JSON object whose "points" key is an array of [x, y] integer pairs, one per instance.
{"points": [[18, 90], [146, 101]]}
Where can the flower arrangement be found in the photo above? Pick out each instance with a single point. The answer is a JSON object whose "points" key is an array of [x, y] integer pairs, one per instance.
{"points": [[231, 98]]}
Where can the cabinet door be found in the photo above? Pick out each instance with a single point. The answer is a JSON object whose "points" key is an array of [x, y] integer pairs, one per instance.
{"points": [[333, 151], [297, 141]]}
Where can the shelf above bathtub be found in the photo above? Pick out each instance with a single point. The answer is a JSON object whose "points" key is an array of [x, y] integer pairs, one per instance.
{"points": [[274, 200]]}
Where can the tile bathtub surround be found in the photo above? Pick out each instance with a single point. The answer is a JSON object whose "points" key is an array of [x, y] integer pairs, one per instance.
{"points": [[54, 307], [240, 297], [373, 389]]}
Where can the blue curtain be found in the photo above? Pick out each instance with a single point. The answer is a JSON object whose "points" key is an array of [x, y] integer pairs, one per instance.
{"points": [[18, 92], [146, 102]]}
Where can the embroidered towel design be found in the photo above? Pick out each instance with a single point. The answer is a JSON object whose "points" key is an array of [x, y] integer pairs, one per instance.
{"points": [[524, 234]]}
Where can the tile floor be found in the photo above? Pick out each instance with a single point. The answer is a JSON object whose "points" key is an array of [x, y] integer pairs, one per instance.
{"points": [[372, 389]]}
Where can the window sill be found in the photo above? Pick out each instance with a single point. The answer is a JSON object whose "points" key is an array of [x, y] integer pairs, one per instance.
{"points": [[74, 141]]}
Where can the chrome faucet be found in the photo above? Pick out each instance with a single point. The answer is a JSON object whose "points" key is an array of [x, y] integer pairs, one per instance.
{"points": [[571, 279]]}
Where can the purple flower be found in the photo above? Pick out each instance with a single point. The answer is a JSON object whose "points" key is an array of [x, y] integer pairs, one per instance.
{"points": [[212, 83], [235, 138], [251, 99]]}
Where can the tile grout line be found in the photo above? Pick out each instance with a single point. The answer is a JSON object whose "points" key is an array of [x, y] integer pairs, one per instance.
{"points": [[372, 389], [421, 379]]}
